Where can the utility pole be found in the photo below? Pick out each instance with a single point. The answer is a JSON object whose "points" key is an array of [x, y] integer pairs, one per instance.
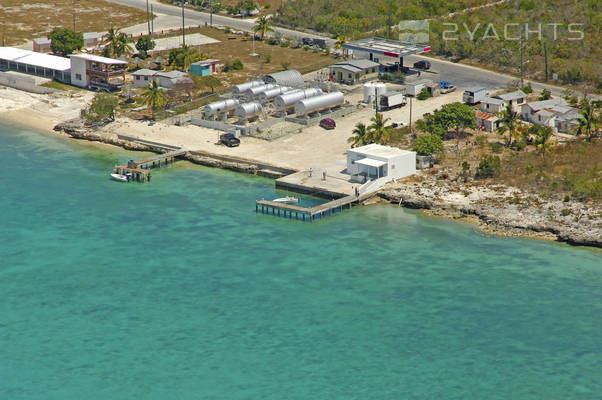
{"points": [[545, 53], [183, 34], [152, 22], [73, 21], [211, 13], [522, 70], [148, 19], [411, 115]]}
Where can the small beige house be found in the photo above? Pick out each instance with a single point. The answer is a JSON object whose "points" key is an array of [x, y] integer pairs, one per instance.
{"points": [[352, 72]]}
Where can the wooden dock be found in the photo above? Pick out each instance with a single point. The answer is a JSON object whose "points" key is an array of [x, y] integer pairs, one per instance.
{"points": [[311, 213], [140, 170]]}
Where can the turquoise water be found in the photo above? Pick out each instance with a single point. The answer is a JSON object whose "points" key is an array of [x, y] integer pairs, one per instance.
{"points": [[178, 290]]}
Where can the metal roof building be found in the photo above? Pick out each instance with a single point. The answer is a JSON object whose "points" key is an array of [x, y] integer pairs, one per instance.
{"points": [[291, 78], [380, 50], [31, 62]]}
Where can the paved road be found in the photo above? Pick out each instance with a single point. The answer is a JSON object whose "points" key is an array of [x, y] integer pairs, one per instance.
{"points": [[462, 76], [199, 18]]}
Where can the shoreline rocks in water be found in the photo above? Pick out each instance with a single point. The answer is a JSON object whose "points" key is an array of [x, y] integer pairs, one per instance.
{"points": [[499, 209]]}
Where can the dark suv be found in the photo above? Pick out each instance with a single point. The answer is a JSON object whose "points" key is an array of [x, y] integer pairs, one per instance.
{"points": [[422, 64], [229, 140]]}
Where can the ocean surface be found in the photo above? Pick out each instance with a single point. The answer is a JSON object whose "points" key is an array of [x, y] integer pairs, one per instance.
{"points": [[177, 289]]}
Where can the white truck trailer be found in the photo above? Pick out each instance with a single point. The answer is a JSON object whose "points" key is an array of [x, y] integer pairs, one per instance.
{"points": [[391, 100], [474, 95]]}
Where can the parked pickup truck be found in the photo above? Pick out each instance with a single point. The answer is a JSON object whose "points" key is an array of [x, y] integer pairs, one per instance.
{"points": [[446, 87], [229, 140]]}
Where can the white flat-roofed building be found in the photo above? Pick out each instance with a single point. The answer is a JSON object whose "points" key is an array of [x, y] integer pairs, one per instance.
{"points": [[375, 161], [33, 63], [90, 71]]}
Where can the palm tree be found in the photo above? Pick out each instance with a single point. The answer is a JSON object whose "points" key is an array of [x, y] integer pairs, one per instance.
{"points": [[508, 123], [360, 137], [378, 130], [544, 133], [587, 121], [116, 43], [262, 26], [154, 97]]}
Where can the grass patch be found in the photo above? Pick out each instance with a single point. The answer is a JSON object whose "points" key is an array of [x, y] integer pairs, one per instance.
{"points": [[62, 86]]}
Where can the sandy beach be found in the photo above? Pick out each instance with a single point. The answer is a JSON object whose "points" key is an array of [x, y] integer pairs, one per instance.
{"points": [[41, 111]]}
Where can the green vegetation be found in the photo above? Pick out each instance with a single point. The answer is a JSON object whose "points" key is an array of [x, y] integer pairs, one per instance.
{"points": [[589, 121], [423, 95], [429, 144], [210, 82], [376, 132], [180, 58], [489, 167], [353, 18], [65, 41], [102, 108], [575, 61], [235, 65], [453, 116], [154, 97], [262, 26], [143, 45], [575, 167], [116, 44], [509, 122]]}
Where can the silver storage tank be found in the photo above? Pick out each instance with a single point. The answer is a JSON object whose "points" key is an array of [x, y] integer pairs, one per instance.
{"points": [[329, 100], [219, 107], [240, 88], [288, 99], [271, 93], [255, 91], [249, 110]]}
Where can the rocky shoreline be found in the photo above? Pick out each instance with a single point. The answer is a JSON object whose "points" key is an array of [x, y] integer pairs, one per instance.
{"points": [[499, 209], [495, 209]]}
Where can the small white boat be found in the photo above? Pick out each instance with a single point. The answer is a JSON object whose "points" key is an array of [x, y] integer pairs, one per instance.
{"points": [[287, 200], [119, 177]]}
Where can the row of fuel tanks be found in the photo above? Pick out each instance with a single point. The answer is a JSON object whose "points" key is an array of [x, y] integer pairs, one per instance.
{"points": [[251, 99]]}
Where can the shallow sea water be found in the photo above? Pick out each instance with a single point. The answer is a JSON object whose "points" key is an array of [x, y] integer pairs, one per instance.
{"points": [[177, 289]]}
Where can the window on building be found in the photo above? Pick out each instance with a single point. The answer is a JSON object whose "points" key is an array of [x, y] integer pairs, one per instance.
{"points": [[146, 78], [78, 77], [137, 77], [350, 76], [373, 69]]}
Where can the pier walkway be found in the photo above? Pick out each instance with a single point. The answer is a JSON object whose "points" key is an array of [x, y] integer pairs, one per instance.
{"points": [[309, 213], [140, 170]]}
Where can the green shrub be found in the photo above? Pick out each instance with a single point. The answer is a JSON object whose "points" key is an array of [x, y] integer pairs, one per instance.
{"points": [[481, 140], [425, 94], [268, 59], [429, 144], [489, 166], [565, 211], [527, 88], [285, 65], [566, 198], [235, 65]]}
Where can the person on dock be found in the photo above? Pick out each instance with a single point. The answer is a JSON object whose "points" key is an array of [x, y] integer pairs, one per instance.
{"points": [[324, 175], [357, 191], [311, 171]]}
